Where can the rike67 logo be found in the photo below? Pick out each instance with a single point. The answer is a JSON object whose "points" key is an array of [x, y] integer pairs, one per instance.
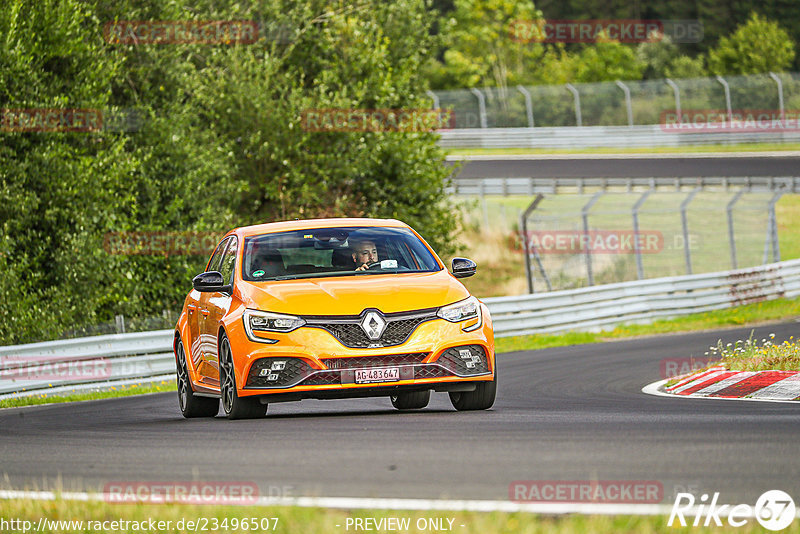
{"points": [[774, 510]]}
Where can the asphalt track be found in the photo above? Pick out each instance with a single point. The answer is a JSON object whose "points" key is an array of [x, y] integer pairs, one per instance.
{"points": [[572, 413], [669, 166]]}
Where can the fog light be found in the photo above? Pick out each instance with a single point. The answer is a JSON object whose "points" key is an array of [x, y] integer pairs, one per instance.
{"points": [[465, 354], [279, 365]]}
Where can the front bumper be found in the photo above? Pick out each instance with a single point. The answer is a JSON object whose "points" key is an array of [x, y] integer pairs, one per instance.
{"points": [[312, 363]]}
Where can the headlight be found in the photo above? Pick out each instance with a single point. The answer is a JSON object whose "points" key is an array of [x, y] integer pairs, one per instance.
{"points": [[463, 310], [261, 321]]}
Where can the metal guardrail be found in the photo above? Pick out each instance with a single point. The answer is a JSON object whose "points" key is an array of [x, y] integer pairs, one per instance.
{"points": [[641, 301], [646, 136], [104, 361], [534, 186], [86, 363]]}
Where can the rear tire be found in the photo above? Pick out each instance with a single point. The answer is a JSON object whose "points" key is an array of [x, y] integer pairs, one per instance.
{"points": [[190, 404], [482, 398], [234, 406], [413, 400]]}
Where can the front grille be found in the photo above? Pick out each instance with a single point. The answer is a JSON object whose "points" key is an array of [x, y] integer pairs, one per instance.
{"points": [[347, 329], [323, 378], [429, 371], [361, 362], [465, 360]]}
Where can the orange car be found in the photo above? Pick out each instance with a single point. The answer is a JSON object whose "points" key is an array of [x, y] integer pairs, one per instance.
{"points": [[327, 309]]}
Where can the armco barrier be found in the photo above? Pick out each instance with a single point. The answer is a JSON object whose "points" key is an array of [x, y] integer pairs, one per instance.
{"points": [[641, 301], [578, 137], [147, 356]]}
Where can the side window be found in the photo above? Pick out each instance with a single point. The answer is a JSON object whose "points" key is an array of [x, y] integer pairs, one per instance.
{"points": [[213, 265], [229, 261]]}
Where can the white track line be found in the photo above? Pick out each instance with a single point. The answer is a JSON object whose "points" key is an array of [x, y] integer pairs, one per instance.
{"points": [[357, 503]]}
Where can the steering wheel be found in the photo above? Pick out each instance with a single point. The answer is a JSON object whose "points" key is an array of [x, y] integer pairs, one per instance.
{"points": [[374, 266]]}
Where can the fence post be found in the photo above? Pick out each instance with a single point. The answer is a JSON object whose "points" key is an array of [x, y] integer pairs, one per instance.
{"points": [[773, 230], [585, 216], [523, 224], [780, 93], [731, 235], [627, 101], [636, 248], [528, 104], [481, 106], [577, 95], [685, 224], [727, 88], [677, 92]]}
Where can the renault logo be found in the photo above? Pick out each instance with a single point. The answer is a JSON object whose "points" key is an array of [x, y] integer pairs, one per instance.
{"points": [[373, 325]]}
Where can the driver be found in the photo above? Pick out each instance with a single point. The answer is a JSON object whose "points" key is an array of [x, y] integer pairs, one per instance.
{"points": [[364, 254]]}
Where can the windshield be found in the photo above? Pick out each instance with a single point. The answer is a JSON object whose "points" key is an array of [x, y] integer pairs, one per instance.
{"points": [[327, 252]]}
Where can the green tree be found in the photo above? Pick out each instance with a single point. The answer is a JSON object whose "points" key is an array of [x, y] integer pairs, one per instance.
{"points": [[608, 60], [758, 46]]}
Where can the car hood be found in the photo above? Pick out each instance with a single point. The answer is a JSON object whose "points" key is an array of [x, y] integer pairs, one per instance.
{"points": [[352, 294]]}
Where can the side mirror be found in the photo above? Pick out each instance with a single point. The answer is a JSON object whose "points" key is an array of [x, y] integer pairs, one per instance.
{"points": [[210, 282], [463, 267]]}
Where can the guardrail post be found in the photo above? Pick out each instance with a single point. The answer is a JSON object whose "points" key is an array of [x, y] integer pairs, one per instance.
{"points": [[687, 254], [523, 224], [627, 101], [677, 92], [433, 96], [481, 106], [585, 217], [119, 321], [577, 95], [731, 234], [528, 104], [727, 89], [780, 93], [636, 248]]}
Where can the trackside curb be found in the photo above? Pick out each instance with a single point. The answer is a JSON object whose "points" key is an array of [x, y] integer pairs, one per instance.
{"points": [[720, 383]]}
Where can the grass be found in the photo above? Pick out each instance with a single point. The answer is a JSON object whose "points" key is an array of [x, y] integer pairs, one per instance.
{"points": [[291, 520], [752, 355], [751, 314], [117, 391], [750, 147]]}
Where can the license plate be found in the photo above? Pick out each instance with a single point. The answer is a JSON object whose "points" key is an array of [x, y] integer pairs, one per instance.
{"points": [[385, 374]]}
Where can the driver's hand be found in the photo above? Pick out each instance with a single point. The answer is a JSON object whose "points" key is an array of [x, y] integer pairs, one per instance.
{"points": [[362, 267]]}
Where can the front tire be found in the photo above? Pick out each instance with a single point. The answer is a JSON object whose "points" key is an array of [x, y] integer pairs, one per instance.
{"points": [[190, 404], [234, 406], [482, 398], [413, 400]]}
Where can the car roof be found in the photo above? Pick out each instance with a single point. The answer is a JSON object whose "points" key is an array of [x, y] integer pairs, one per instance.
{"points": [[305, 224]]}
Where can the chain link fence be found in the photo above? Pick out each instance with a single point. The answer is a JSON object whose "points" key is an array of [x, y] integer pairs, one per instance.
{"points": [[616, 103]]}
